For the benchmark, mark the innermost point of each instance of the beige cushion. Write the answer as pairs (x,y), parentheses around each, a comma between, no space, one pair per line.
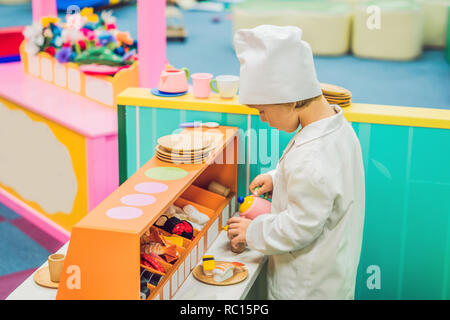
(326,25)
(435,22)
(399,36)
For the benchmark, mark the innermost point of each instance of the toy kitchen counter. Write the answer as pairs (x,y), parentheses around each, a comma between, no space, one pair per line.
(405,154)
(115,240)
(254,287)
(58,151)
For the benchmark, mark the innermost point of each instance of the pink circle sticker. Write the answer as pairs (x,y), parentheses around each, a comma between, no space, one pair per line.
(124,213)
(137,200)
(151,187)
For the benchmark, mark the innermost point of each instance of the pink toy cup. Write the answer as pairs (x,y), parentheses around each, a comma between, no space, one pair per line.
(200,82)
(259,206)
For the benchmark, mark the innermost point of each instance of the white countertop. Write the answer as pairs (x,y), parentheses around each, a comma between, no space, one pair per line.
(191,288)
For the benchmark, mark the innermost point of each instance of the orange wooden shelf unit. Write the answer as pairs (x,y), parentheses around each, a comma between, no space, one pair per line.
(103,258)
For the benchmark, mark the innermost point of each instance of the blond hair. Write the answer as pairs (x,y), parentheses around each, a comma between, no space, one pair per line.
(295,105)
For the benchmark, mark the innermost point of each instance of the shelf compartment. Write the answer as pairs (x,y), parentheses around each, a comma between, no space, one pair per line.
(181,202)
(203,197)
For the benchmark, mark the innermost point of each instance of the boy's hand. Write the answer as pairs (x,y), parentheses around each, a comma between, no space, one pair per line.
(237,229)
(264,182)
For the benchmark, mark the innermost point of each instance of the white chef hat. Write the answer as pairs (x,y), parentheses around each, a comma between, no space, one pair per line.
(276,65)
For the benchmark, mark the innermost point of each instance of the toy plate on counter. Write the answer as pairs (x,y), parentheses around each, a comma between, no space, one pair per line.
(158,93)
(238,276)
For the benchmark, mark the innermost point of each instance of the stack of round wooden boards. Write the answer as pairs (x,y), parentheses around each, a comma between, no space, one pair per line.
(336,95)
(192,147)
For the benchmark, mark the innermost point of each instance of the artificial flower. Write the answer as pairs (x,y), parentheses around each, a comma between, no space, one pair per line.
(82,44)
(50,50)
(125,37)
(33,31)
(46,21)
(106,38)
(111,26)
(64,54)
(71,35)
(89,14)
(48,33)
(57,41)
(107,17)
(87,11)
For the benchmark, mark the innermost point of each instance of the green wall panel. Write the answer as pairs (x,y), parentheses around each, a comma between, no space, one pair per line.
(131,147)
(385,175)
(427,232)
(407,218)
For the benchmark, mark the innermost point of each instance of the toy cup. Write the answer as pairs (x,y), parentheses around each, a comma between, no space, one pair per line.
(174,80)
(227,86)
(252,206)
(55,265)
(201,84)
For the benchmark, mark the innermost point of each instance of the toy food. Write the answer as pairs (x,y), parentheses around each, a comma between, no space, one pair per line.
(208,265)
(169,253)
(194,215)
(176,226)
(152,261)
(226,270)
(219,188)
(148,277)
(174,240)
(153,242)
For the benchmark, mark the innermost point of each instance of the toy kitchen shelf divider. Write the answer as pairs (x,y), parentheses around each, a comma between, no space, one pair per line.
(103,258)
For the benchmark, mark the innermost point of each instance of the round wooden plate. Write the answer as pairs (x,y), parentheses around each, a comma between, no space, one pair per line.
(236,278)
(331,89)
(164,155)
(42,278)
(337,98)
(185,142)
(183,153)
(182,161)
(178,154)
(160,155)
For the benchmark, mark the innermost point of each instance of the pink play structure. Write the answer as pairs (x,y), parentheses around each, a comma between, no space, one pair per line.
(94,123)
(151,35)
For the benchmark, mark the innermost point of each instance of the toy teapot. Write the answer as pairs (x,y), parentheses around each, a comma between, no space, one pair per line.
(252,206)
(174,80)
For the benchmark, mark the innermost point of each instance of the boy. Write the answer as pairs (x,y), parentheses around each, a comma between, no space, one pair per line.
(313,234)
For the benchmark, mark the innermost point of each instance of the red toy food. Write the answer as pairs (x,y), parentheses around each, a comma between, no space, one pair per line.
(151,261)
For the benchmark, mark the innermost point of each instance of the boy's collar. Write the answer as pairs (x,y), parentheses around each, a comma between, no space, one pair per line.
(320,128)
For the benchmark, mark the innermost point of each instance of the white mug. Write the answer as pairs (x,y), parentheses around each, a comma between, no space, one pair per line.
(227,86)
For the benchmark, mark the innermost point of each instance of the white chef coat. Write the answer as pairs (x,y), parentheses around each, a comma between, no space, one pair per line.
(313,234)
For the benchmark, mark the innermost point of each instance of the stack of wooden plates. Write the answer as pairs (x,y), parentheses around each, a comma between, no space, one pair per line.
(336,95)
(193,147)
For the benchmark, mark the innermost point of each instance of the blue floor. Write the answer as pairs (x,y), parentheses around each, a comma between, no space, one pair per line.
(421,83)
